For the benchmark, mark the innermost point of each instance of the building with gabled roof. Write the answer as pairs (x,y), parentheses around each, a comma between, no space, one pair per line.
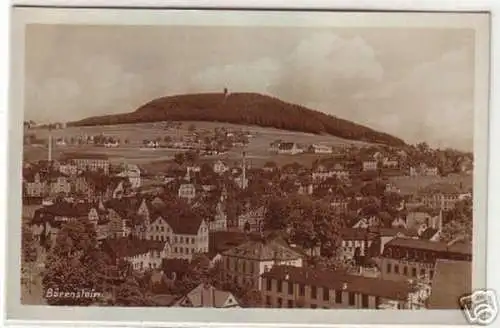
(244,264)
(301,287)
(205,295)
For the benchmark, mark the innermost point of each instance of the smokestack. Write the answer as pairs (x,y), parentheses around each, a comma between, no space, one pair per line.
(244,174)
(50,144)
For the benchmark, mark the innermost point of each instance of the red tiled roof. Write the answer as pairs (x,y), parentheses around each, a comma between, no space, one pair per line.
(338,280)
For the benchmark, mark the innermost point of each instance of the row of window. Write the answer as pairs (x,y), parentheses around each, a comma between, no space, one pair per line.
(240,265)
(300,304)
(406,271)
(350,243)
(313,290)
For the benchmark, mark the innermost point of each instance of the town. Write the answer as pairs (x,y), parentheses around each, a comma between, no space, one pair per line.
(359,227)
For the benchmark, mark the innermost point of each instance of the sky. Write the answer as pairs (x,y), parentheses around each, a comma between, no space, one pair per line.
(414,83)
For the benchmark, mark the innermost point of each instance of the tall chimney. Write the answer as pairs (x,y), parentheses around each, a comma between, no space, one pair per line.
(50,144)
(244,174)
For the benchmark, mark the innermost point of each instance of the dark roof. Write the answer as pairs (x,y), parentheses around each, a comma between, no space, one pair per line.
(428,233)
(337,280)
(65,209)
(452,280)
(128,247)
(286,145)
(459,247)
(263,250)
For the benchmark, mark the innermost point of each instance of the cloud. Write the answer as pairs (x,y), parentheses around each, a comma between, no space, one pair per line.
(327,55)
(255,76)
(434,102)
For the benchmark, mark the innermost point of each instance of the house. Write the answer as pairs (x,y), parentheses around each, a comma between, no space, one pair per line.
(34,186)
(220,167)
(409,258)
(322,172)
(390,162)
(274,146)
(321,149)
(61,142)
(440,196)
(270,167)
(68,169)
(59,183)
(111,144)
(354,240)
(142,254)
(252,220)
(152,144)
(244,264)
(206,295)
(452,280)
(300,287)
(187,191)
(289,148)
(370,165)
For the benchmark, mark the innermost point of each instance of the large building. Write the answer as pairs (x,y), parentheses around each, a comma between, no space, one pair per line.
(412,259)
(246,263)
(298,287)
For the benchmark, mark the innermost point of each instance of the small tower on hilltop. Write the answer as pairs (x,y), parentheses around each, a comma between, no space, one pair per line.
(226,95)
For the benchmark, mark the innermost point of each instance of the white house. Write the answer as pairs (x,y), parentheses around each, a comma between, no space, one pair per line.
(187,191)
(321,149)
(220,167)
(220,219)
(370,165)
(133,173)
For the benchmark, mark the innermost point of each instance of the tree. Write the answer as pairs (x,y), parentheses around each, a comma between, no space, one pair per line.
(179,158)
(167,139)
(74,263)
(129,293)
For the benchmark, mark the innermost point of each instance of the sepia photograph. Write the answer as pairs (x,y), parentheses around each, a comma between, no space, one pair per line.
(251,165)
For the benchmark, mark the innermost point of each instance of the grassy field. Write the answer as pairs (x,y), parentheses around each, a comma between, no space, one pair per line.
(257,149)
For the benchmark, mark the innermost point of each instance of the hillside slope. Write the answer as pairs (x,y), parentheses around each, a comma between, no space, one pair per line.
(247,109)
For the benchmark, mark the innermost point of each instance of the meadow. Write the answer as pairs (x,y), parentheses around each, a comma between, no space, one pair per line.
(257,149)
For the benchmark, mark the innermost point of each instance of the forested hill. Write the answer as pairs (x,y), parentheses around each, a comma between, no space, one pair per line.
(247,109)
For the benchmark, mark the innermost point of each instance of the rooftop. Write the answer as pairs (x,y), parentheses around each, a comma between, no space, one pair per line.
(458,247)
(341,281)
(261,250)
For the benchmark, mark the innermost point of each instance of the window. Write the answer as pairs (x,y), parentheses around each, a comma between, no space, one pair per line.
(352,301)
(269,285)
(280,286)
(326,294)
(338,296)
(186,250)
(290,288)
(181,240)
(396,268)
(162,229)
(280,302)
(405,270)
(302,290)
(313,292)
(157,228)
(413,272)
(181,250)
(290,303)
(364,301)
(422,272)
(389,268)
(175,250)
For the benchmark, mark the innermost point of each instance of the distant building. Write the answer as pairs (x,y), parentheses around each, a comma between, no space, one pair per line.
(390,162)
(220,219)
(244,264)
(205,295)
(406,259)
(92,164)
(370,165)
(187,191)
(300,287)
(252,220)
(321,149)
(289,148)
